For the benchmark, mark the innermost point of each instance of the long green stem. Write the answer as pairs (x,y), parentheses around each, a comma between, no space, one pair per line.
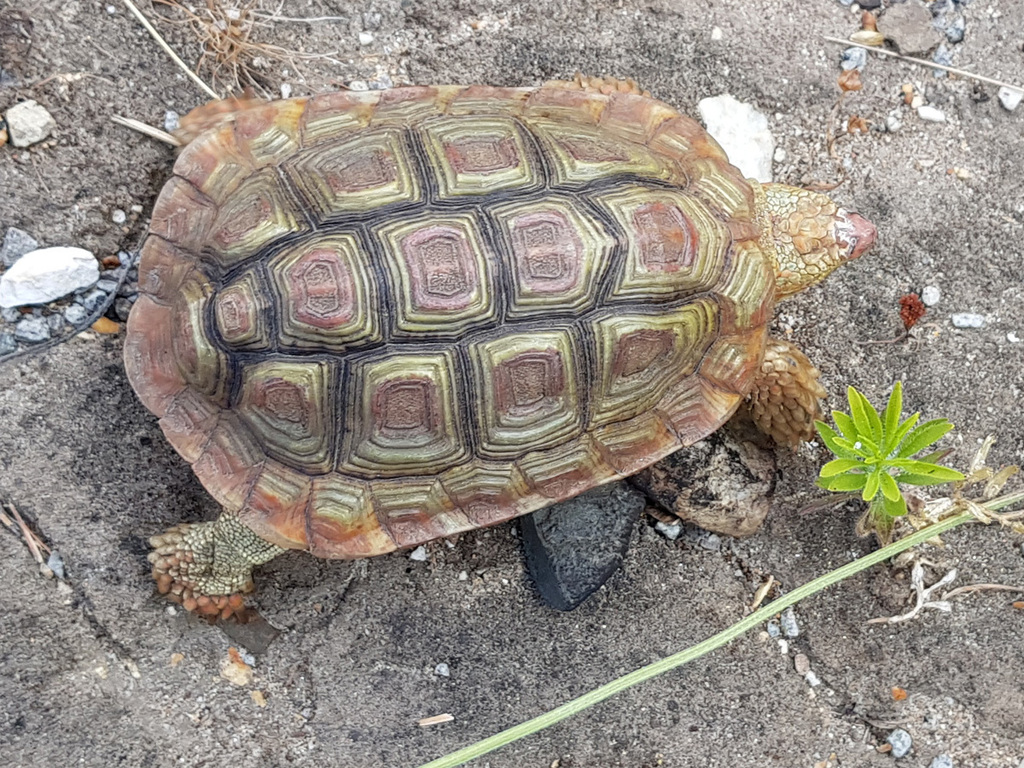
(571,708)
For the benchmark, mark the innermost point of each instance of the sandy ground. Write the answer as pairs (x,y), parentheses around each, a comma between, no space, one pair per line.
(97,672)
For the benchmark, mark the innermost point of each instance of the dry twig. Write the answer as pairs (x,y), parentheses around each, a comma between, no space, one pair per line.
(35,545)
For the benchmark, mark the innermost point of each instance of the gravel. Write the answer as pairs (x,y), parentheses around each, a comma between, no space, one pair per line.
(931,114)
(32,330)
(17,242)
(968,320)
(901,743)
(1010,98)
(941,761)
(7,343)
(789,624)
(931,295)
(29,123)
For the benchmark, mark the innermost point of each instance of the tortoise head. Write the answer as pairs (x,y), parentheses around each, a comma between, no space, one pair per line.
(812,236)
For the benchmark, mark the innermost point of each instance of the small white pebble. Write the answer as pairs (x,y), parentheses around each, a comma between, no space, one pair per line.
(716,33)
(365,38)
(917,101)
(670,531)
(893,123)
(419,554)
(441,670)
(136,208)
(286,90)
(171,121)
(1013,338)
(930,295)
(801,664)
(931,114)
(118,216)
(968,320)
(784,647)
(111,9)
(463,576)
(1010,98)
(780,155)
(812,679)
(787,620)
(358,85)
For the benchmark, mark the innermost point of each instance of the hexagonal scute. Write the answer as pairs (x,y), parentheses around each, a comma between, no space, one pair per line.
(558,254)
(641,356)
(240,313)
(582,153)
(439,274)
(326,293)
(404,417)
(527,396)
(415,511)
(362,173)
(289,407)
(476,154)
(257,213)
(675,246)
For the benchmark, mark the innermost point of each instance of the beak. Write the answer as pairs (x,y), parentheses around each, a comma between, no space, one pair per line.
(861,234)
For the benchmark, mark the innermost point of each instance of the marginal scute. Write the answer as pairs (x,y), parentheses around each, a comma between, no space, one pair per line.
(694,408)
(331,116)
(440,272)
(726,193)
(188,423)
(342,520)
(326,293)
(230,461)
(564,105)
(267,133)
(487,492)
(556,252)
(733,361)
(362,172)
(183,215)
(416,510)
(149,357)
(676,247)
(213,164)
(566,471)
(478,155)
(258,213)
(641,356)
(527,395)
(631,445)
(746,292)
(288,406)
(404,418)
(635,117)
(277,505)
(486,99)
(162,269)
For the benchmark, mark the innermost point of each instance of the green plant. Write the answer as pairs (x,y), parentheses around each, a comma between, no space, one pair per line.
(875,454)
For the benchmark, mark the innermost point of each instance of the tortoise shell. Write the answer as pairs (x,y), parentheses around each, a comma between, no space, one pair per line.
(368,320)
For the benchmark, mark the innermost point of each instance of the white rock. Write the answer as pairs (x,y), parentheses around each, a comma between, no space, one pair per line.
(118,216)
(46,274)
(743,133)
(29,123)
(171,121)
(365,38)
(930,295)
(419,554)
(931,114)
(286,90)
(1010,98)
(968,320)
(893,123)
(1013,338)
(716,33)
(441,670)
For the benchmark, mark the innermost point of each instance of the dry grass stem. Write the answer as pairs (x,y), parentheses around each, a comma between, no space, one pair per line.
(925,63)
(972,588)
(170,51)
(230,54)
(34,543)
(435,720)
(148,130)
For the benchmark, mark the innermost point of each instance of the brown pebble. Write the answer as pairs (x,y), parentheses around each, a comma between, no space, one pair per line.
(106,325)
(802,664)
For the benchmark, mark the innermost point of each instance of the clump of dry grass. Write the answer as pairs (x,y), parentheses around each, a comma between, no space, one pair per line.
(233,57)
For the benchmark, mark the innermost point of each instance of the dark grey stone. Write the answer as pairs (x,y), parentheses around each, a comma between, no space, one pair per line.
(7,343)
(32,330)
(10,314)
(956,29)
(17,242)
(93,300)
(75,314)
(56,323)
(573,547)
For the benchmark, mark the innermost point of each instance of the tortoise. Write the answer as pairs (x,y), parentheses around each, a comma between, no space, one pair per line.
(372,319)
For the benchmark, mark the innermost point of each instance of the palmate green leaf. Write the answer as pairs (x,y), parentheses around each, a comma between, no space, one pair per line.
(923,436)
(892,418)
(846,426)
(927,469)
(840,465)
(893,507)
(908,478)
(865,417)
(901,432)
(889,488)
(850,481)
(839,446)
(871,486)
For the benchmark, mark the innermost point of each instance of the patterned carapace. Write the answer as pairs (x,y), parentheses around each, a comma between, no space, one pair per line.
(371,320)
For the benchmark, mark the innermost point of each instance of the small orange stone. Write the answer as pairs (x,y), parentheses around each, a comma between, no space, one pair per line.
(1019,605)
(898,694)
(106,325)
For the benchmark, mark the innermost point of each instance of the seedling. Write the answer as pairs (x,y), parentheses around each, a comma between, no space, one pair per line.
(875,455)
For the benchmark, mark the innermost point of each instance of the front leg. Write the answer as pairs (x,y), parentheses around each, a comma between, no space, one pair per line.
(784,400)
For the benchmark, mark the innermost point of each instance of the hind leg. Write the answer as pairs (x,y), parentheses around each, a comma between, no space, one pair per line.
(207,567)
